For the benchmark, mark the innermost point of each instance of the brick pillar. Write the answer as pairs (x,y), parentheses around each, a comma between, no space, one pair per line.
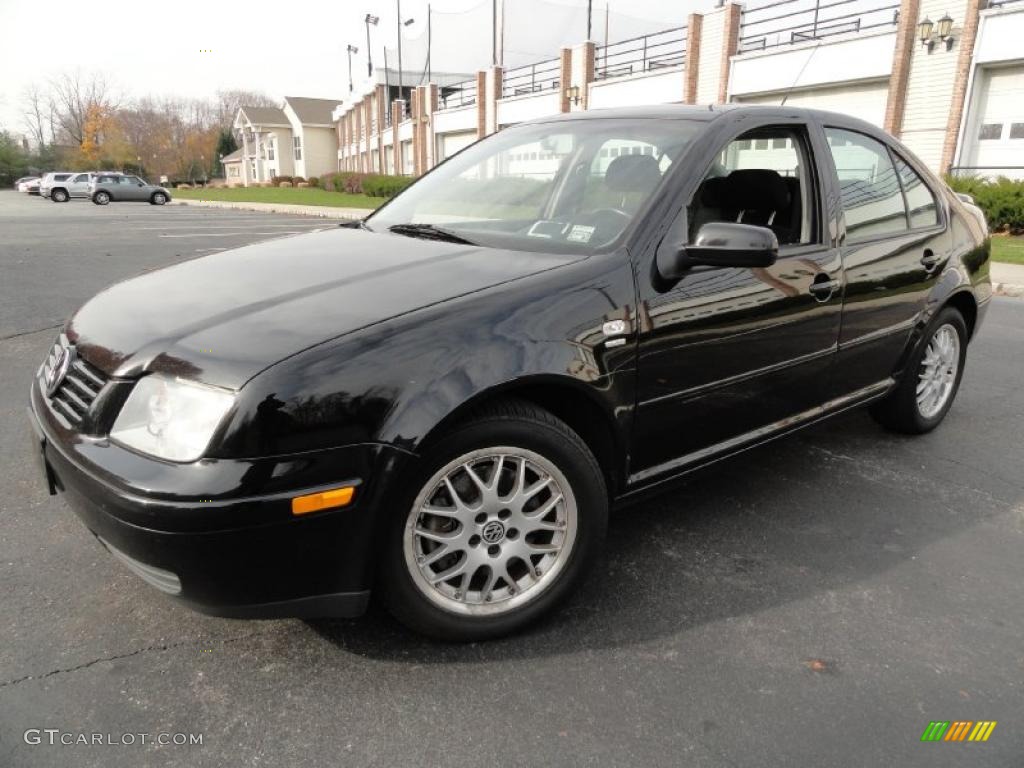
(730,44)
(963,71)
(481,104)
(584,70)
(357,135)
(381,105)
(418,137)
(397,108)
(430,104)
(367,132)
(492,91)
(906,39)
(693,32)
(564,78)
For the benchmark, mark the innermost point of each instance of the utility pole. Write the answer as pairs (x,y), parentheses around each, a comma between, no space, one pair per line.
(370,19)
(398,4)
(590,16)
(351,49)
(428,42)
(494,33)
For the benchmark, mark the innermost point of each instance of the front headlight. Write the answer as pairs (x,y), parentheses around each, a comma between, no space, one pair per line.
(171,418)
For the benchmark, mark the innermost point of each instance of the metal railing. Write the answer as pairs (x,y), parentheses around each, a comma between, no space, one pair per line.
(458,95)
(1001,3)
(982,170)
(531,78)
(641,54)
(797,21)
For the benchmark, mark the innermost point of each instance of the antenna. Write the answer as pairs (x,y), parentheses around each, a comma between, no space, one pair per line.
(799,74)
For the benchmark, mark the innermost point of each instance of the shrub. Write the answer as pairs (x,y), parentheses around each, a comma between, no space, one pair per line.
(276,180)
(314,181)
(284,184)
(264,184)
(1002,200)
(297,179)
(302,184)
(385,186)
(184,186)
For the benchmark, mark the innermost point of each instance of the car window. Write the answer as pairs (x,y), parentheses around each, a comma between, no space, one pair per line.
(868,185)
(81,177)
(62,177)
(130,180)
(566,187)
(921,205)
(762,177)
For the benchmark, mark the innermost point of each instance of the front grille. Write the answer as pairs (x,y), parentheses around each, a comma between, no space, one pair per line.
(80,386)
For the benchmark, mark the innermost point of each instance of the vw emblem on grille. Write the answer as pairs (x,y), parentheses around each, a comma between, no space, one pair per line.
(493,532)
(60,369)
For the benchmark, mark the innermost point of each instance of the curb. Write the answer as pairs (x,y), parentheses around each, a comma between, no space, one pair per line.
(1008,289)
(324,212)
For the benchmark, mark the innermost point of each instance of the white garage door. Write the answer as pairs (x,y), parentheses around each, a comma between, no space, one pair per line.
(863,100)
(996,134)
(450,143)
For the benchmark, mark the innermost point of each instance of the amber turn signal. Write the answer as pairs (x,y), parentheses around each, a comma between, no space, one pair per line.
(314,502)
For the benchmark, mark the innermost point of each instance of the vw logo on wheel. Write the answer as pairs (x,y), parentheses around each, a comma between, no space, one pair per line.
(59,370)
(493,532)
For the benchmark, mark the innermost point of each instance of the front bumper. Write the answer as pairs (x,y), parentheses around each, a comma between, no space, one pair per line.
(235,550)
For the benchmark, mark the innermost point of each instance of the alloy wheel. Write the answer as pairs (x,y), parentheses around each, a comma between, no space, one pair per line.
(490,531)
(937,375)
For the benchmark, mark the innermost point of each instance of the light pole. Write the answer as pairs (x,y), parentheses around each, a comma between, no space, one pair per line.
(351,49)
(370,19)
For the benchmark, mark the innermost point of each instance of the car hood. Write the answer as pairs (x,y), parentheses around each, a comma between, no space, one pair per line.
(223,318)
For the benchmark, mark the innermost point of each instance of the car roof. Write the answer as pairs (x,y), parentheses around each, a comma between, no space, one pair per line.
(710,112)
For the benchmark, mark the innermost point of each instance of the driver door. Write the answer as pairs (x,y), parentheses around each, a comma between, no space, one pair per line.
(729,355)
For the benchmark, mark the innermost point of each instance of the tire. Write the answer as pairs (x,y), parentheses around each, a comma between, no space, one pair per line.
(101,198)
(158,198)
(501,592)
(930,370)
(59,196)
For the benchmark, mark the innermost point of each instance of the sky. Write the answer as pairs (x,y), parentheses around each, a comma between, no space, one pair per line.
(192,48)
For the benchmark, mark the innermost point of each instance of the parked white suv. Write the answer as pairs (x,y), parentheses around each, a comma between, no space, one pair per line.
(49,179)
(77,185)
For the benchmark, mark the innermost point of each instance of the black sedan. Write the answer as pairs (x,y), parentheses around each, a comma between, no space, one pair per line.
(441,402)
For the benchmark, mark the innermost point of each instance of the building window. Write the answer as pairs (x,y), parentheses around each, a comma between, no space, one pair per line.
(1017,130)
(990,131)
(270,150)
(297,144)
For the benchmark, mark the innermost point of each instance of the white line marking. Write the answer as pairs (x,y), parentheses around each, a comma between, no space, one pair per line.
(232,234)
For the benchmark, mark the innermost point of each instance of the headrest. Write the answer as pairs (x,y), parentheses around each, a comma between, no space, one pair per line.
(633,173)
(712,192)
(757,189)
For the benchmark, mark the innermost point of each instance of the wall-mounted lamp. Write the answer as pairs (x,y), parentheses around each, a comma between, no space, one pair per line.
(572,93)
(931,33)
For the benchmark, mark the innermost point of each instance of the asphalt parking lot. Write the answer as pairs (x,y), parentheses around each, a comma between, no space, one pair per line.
(815,602)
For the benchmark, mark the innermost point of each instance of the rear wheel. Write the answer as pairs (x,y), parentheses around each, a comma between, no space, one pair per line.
(925,394)
(499,521)
(59,196)
(101,198)
(159,198)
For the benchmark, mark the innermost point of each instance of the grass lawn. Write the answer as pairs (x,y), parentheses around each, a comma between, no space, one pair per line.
(290,196)
(1009,250)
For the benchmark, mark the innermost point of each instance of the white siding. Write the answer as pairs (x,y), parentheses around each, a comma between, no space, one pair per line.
(709,68)
(863,100)
(930,88)
(662,87)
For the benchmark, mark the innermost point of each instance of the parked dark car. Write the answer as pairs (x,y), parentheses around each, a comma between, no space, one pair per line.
(105,188)
(441,402)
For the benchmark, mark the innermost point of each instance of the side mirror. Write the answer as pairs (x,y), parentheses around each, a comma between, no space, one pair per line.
(722,244)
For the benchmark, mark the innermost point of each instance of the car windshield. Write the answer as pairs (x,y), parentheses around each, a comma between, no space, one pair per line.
(570,186)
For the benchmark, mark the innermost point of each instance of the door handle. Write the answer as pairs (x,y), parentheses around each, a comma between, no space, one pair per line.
(929,259)
(822,290)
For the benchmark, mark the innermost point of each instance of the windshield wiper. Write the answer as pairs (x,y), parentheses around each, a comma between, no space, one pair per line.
(429,232)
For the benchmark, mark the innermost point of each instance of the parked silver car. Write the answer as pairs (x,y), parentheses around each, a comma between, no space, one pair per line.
(121,187)
(76,185)
(50,179)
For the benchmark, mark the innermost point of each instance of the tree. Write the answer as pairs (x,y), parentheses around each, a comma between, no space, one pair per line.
(228,103)
(226,144)
(13,159)
(76,99)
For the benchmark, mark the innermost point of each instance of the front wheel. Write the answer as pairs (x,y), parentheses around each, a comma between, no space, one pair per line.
(925,393)
(159,198)
(101,198)
(499,522)
(59,196)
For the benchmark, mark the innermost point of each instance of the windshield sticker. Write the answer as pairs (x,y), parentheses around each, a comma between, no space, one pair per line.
(580,234)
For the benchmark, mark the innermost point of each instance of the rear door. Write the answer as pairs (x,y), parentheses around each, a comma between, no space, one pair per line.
(894,243)
(728,355)
(78,185)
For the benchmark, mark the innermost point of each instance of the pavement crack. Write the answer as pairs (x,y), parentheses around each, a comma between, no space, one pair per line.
(127,655)
(29,333)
